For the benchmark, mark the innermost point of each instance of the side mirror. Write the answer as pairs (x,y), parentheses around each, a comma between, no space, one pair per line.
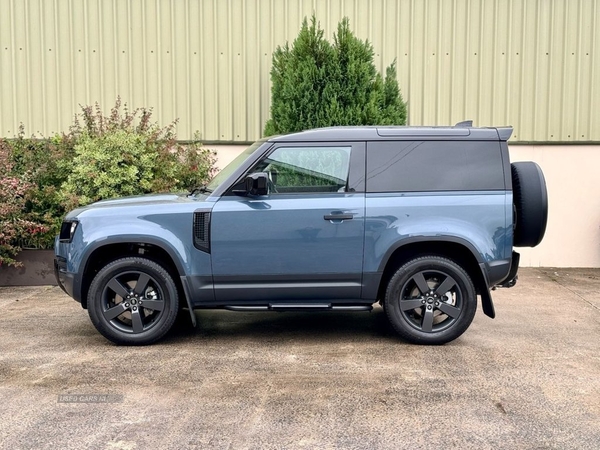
(255,184)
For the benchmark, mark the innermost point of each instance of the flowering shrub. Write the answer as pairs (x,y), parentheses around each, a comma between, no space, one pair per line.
(13,224)
(44,164)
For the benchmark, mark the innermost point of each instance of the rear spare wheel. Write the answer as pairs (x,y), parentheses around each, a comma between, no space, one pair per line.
(530,203)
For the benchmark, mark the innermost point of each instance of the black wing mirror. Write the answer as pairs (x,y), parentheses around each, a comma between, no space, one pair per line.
(254,184)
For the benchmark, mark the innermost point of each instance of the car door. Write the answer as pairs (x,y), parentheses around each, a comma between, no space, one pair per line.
(304,239)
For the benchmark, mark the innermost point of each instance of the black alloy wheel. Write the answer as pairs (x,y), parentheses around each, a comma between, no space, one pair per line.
(430,300)
(133,301)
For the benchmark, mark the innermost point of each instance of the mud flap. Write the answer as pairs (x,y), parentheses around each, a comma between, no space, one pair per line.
(186,292)
(486,298)
(487,304)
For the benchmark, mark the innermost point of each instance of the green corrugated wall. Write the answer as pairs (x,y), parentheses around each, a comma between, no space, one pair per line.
(533,64)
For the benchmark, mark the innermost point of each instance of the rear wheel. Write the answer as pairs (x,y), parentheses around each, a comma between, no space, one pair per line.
(133,301)
(430,300)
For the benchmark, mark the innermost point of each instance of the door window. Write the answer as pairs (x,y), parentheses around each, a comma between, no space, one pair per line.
(307,169)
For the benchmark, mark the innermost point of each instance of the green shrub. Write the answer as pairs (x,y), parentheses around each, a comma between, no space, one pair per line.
(195,165)
(126,154)
(100,157)
(317,84)
(113,164)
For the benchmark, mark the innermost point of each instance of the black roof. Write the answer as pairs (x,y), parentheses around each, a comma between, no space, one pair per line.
(360,133)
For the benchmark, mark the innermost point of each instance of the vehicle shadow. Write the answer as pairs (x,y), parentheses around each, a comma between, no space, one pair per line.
(318,326)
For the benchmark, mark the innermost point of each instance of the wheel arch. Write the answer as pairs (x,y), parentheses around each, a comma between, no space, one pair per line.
(456,249)
(104,252)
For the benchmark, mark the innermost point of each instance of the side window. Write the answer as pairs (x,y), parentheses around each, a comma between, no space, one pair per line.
(307,169)
(425,166)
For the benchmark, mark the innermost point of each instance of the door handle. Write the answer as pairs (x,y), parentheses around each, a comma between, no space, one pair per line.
(338,216)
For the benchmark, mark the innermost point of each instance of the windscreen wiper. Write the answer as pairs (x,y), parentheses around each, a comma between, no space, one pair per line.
(200,190)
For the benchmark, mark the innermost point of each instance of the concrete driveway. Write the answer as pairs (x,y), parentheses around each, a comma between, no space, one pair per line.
(528,379)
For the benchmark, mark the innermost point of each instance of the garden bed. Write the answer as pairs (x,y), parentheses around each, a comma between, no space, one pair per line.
(37,269)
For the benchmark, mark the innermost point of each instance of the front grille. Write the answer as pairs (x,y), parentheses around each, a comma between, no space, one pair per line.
(202,230)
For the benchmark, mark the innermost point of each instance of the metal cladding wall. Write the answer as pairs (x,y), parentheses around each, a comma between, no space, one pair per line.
(533,64)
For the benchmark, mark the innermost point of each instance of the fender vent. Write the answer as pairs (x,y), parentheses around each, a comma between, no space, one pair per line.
(202,230)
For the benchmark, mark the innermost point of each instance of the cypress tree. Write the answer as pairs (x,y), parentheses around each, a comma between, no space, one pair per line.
(316,83)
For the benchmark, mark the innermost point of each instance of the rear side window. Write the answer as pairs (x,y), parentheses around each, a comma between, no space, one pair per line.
(421,166)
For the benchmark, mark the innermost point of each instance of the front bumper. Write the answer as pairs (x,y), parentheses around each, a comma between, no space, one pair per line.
(64,279)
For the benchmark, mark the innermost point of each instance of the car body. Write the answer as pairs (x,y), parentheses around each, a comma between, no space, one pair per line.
(324,219)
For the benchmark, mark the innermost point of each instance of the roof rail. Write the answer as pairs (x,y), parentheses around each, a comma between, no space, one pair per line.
(464,124)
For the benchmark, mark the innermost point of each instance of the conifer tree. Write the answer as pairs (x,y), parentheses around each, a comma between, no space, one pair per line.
(316,83)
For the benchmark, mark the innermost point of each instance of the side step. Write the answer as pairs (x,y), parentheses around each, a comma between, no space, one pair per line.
(279,307)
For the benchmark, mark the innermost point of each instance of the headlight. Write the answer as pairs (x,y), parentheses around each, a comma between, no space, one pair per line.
(67,230)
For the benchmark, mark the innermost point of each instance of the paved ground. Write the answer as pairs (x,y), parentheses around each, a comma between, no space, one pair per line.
(528,379)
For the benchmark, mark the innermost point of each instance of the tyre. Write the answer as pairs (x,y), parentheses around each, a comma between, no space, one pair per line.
(430,300)
(133,301)
(530,200)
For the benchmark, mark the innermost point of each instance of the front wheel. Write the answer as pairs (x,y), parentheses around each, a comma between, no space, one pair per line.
(133,301)
(430,300)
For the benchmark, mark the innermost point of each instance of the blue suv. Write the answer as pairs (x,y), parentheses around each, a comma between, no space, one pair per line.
(420,219)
